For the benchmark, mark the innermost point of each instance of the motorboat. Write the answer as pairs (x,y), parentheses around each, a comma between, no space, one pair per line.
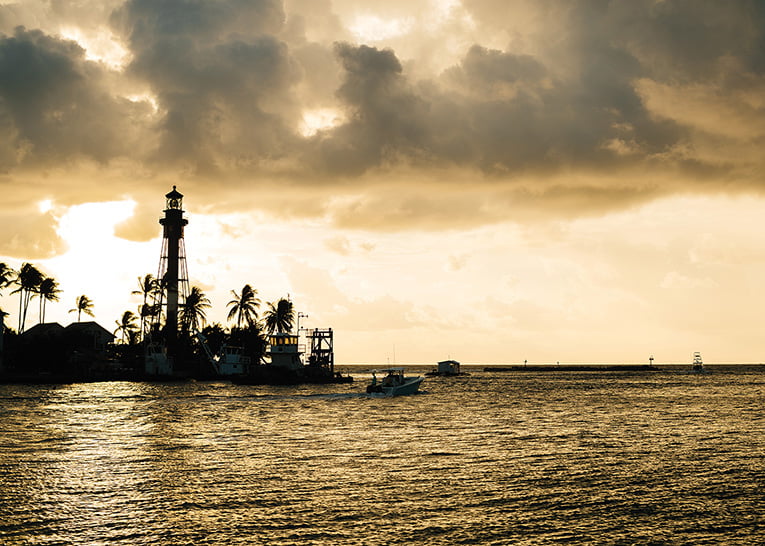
(394,382)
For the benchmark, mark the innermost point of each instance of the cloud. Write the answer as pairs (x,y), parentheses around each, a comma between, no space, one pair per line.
(547,108)
(56,107)
(28,234)
(140,226)
(220,74)
(328,301)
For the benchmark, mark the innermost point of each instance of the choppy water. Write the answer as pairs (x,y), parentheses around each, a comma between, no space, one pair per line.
(491,458)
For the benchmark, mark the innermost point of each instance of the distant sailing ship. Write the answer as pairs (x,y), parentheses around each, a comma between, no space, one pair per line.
(698,364)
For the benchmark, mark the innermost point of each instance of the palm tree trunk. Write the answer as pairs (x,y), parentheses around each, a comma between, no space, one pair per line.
(21,298)
(143,317)
(26,308)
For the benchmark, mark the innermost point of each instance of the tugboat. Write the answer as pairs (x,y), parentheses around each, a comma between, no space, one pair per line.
(287,366)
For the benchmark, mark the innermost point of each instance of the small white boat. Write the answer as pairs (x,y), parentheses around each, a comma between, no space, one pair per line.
(394,383)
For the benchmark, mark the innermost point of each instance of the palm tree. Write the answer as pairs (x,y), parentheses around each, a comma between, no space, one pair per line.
(280,317)
(244,307)
(6,275)
(147,287)
(126,325)
(6,278)
(192,313)
(28,281)
(83,304)
(48,291)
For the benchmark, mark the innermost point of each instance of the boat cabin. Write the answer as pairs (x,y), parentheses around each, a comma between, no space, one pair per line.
(285,351)
(394,377)
(232,361)
(156,361)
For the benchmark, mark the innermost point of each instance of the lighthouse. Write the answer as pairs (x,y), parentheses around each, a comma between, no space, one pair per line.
(173,274)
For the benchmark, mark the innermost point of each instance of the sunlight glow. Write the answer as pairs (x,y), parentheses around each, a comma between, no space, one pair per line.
(319,120)
(46,205)
(76,225)
(96,263)
(100,45)
(145,97)
(371,28)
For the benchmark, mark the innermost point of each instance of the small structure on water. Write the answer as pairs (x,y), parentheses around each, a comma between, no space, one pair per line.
(446,368)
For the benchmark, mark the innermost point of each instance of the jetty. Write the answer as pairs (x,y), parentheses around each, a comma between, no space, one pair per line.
(575,368)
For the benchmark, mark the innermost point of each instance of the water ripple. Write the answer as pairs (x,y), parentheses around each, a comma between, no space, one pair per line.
(514,458)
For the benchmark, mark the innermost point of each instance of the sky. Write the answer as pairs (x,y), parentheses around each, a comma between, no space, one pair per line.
(486,180)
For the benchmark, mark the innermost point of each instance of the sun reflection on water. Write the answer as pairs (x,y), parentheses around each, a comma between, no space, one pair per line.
(488,458)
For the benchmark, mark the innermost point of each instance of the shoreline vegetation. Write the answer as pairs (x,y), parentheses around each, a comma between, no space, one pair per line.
(37,351)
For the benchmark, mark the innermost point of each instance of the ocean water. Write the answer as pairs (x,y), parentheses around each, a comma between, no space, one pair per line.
(489,458)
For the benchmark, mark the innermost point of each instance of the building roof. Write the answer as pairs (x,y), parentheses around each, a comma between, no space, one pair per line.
(89,327)
(43,329)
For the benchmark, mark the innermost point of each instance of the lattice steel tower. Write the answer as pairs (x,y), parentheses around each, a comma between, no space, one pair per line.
(173,275)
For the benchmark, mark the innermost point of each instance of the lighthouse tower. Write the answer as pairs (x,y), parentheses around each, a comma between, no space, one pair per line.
(173,274)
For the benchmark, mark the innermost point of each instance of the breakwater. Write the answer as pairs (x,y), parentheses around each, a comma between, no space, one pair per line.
(575,368)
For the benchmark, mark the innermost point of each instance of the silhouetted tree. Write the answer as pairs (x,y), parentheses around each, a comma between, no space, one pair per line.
(192,313)
(28,281)
(7,275)
(147,288)
(215,335)
(83,304)
(244,307)
(48,291)
(280,317)
(252,341)
(127,326)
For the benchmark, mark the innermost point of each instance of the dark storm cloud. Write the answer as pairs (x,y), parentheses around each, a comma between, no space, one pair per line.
(220,74)
(55,106)
(576,104)
(588,98)
(498,112)
(683,39)
(385,116)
